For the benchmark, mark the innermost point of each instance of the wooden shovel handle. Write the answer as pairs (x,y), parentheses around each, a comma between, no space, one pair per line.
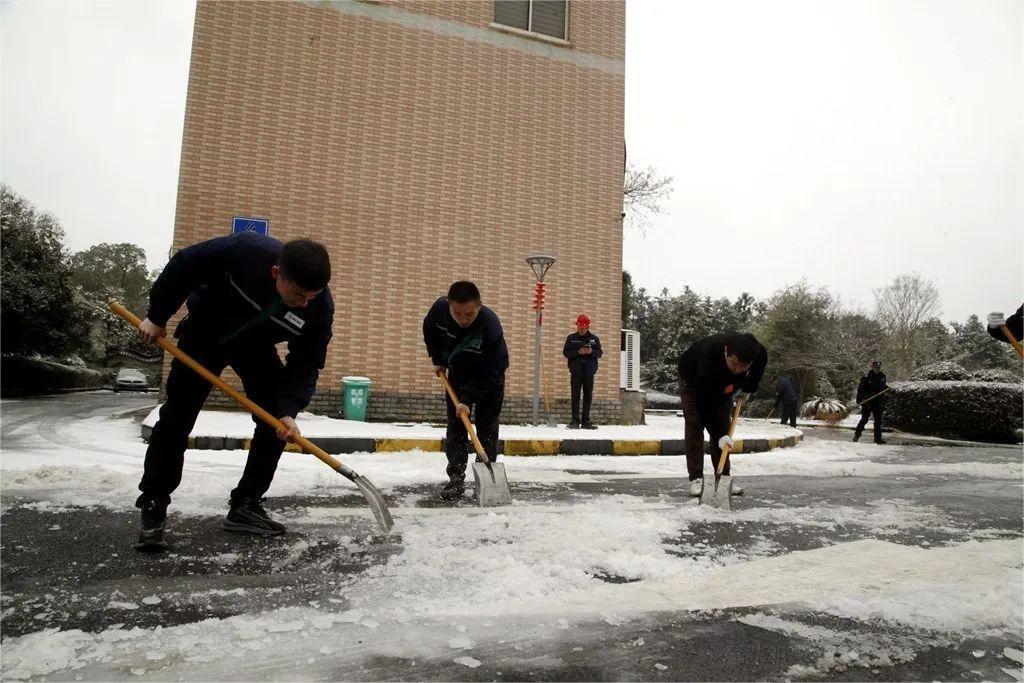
(241,399)
(874,397)
(1013,340)
(732,428)
(479,447)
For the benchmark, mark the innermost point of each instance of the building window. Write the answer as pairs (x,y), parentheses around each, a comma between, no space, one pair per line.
(547,17)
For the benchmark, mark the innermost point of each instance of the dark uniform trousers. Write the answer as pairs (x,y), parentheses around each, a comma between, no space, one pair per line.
(259,370)
(586,384)
(486,413)
(693,437)
(789,413)
(871,408)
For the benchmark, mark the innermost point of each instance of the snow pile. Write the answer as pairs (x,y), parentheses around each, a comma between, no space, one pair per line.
(463,579)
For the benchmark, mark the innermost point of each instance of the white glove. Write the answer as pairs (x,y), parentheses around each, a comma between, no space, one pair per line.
(995,321)
(725,441)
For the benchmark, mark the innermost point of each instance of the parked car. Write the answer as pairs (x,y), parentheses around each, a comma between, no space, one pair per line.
(130,379)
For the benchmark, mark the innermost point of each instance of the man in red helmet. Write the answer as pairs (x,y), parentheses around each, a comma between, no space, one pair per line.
(582,349)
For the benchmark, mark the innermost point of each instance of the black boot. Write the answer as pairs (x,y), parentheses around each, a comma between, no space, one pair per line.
(856,436)
(151,537)
(454,489)
(575,424)
(456,472)
(587,424)
(248,515)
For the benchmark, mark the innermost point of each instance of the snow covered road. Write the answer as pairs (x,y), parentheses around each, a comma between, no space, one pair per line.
(843,561)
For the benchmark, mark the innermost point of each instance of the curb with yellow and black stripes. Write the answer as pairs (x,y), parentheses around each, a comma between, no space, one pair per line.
(509,447)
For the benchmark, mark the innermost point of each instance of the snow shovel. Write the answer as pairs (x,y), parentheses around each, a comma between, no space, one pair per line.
(373,496)
(874,397)
(718,495)
(491,482)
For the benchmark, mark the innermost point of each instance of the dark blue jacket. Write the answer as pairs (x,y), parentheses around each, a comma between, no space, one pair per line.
(870,385)
(228,283)
(584,366)
(476,356)
(785,393)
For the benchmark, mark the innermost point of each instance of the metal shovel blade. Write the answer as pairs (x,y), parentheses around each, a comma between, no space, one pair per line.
(491,484)
(716,494)
(375,499)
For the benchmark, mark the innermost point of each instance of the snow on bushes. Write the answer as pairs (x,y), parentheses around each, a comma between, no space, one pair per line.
(1004,376)
(977,411)
(943,370)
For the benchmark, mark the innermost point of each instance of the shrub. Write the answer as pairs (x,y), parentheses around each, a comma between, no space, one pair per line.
(759,407)
(943,370)
(661,376)
(999,375)
(31,376)
(976,411)
(660,400)
(828,409)
(823,387)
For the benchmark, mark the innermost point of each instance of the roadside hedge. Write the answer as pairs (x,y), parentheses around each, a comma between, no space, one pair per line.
(20,376)
(943,370)
(975,411)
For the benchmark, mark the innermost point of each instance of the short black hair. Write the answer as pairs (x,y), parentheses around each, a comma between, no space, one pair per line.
(306,263)
(463,291)
(743,346)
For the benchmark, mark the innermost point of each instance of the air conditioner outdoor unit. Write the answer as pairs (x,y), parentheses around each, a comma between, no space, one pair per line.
(629,360)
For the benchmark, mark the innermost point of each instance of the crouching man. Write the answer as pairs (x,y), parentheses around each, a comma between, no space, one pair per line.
(714,373)
(245,293)
(464,340)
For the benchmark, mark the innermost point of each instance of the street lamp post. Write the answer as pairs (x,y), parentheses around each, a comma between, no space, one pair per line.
(539,264)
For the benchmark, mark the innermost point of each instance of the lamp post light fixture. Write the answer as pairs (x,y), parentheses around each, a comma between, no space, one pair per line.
(539,264)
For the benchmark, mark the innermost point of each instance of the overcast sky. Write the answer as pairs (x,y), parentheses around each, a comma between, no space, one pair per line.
(841,142)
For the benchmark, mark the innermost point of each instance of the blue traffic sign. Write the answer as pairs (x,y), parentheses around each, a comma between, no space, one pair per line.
(242,224)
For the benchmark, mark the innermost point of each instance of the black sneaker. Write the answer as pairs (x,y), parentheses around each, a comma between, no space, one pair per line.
(856,436)
(151,537)
(880,442)
(589,425)
(249,516)
(573,425)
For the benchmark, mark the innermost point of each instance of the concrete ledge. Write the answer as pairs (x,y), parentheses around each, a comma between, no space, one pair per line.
(585,447)
(673,447)
(386,445)
(624,447)
(509,447)
(532,447)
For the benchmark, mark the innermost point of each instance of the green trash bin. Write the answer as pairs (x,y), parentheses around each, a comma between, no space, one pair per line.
(356,396)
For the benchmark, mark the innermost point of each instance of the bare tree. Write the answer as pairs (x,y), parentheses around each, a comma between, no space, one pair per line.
(643,192)
(904,309)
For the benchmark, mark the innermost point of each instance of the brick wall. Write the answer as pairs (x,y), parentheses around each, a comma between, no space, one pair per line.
(421,146)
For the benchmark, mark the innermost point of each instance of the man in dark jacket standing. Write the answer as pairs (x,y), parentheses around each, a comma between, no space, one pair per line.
(464,339)
(871,385)
(582,349)
(245,293)
(785,395)
(713,373)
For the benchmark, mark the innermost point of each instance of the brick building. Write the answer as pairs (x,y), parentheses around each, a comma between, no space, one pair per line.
(422,142)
